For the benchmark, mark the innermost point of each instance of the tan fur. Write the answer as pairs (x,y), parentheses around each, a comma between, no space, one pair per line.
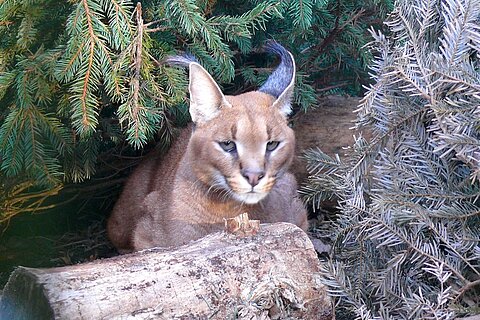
(187,194)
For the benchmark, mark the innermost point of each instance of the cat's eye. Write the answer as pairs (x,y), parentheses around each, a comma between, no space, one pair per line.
(228,146)
(272,145)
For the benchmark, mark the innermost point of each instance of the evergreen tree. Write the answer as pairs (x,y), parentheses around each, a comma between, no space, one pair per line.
(406,242)
(78,79)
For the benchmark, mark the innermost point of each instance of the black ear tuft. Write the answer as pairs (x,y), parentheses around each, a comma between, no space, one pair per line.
(283,75)
(281,81)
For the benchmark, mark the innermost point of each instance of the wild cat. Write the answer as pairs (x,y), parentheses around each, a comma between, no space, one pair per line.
(233,159)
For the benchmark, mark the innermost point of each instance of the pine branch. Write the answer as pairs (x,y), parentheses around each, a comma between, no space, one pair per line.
(89,60)
(142,107)
(302,14)
(135,81)
(240,29)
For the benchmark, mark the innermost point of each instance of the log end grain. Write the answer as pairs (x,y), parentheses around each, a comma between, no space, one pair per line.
(25,298)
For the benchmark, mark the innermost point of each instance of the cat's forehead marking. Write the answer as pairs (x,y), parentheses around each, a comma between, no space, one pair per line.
(251,128)
(249,114)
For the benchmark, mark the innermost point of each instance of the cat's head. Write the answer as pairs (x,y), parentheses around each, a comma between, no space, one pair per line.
(242,144)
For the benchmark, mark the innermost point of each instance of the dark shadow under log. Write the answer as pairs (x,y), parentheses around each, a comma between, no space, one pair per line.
(272,275)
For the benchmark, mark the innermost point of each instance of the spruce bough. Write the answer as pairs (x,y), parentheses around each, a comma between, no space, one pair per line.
(407,238)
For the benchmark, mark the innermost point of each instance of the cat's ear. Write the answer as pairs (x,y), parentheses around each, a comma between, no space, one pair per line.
(280,83)
(206,98)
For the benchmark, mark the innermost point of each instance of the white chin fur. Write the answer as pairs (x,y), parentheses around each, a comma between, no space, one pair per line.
(249,198)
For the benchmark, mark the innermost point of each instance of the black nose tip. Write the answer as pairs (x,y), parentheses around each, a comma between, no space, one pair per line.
(253,176)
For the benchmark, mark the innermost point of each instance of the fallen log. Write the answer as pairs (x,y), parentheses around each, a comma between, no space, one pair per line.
(271,275)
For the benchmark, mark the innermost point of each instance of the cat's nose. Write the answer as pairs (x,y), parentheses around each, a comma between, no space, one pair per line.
(253,176)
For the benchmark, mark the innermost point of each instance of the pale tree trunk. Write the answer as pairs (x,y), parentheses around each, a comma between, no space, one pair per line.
(272,275)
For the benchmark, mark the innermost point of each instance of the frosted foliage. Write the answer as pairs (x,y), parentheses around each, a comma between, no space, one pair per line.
(406,240)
